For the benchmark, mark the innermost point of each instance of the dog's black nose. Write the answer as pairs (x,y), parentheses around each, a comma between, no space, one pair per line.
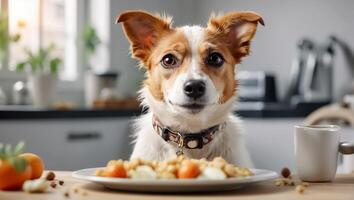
(194,88)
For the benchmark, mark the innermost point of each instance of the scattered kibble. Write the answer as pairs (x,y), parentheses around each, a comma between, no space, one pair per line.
(50,176)
(61,182)
(76,190)
(84,193)
(285,172)
(53,184)
(284,182)
(287,180)
(305,184)
(300,189)
(66,194)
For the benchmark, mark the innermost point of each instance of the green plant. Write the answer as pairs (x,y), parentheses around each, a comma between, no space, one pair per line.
(90,41)
(7,153)
(5,38)
(40,61)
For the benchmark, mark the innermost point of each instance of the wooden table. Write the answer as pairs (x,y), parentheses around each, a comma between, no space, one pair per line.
(342,188)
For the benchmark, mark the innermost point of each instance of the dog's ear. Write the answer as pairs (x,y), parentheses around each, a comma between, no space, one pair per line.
(143,30)
(238,28)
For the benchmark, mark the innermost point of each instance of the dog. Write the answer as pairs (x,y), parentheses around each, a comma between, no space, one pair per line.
(190,86)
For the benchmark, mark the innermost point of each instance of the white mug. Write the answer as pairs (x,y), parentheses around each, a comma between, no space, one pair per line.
(316,151)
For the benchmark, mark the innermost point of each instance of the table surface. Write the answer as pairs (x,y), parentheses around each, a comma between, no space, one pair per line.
(342,188)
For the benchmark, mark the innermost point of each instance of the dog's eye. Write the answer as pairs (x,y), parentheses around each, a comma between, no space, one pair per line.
(214,60)
(169,61)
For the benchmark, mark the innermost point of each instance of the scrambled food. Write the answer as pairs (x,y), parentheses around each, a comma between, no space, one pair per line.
(174,168)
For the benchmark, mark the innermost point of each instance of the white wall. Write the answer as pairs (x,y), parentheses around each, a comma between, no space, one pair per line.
(286,22)
(274,46)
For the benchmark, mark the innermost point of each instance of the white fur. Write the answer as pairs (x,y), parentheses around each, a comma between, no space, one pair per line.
(195,36)
(227,143)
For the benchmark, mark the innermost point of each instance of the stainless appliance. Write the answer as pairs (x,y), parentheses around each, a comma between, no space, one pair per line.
(256,86)
(20,93)
(311,73)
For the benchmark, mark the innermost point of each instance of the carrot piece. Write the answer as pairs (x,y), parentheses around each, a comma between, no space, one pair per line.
(188,169)
(116,170)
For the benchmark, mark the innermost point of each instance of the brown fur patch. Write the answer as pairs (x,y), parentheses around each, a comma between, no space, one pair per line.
(236,29)
(143,31)
(223,77)
(159,78)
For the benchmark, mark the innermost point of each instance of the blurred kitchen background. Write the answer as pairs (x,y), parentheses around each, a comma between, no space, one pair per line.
(68,85)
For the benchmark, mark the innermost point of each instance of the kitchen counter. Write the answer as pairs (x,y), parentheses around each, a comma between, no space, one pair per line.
(243,109)
(276,110)
(31,112)
(342,188)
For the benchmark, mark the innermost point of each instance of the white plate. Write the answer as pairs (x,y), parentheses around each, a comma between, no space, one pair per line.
(175,185)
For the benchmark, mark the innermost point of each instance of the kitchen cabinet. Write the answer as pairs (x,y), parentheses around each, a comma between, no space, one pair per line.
(270,141)
(71,144)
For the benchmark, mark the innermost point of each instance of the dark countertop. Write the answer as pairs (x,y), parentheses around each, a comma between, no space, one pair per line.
(30,112)
(246,110)
(276,110)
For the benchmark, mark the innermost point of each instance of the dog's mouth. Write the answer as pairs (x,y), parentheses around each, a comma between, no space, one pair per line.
(191,107)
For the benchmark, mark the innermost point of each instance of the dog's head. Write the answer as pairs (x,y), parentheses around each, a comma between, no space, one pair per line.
(190,68)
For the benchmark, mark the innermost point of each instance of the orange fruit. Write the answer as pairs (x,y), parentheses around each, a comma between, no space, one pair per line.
(35,162)
(10,179)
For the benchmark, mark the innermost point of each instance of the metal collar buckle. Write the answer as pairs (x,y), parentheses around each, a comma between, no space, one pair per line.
(180,144)
(180,140)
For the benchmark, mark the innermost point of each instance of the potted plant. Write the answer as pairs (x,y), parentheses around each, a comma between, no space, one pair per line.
(5,38)
(42,79)
(90,41)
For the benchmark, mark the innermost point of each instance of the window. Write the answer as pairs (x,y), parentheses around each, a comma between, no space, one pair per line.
(23,19)
(45,22)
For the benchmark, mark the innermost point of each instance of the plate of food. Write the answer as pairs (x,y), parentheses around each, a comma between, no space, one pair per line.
(174,175)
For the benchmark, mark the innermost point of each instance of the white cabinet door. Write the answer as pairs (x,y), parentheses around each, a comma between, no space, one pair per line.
(71,144)
(270,142)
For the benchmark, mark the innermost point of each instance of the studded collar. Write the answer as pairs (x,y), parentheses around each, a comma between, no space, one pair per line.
(186,140)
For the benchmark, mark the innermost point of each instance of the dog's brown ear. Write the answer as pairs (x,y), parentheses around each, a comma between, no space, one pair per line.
(238,28)
(143,30)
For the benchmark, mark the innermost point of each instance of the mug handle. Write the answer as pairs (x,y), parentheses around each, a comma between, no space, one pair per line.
(346,147)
